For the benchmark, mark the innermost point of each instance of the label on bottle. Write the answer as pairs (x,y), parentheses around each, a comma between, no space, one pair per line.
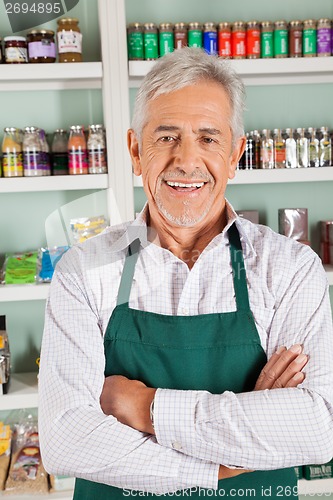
(267,44)
(180,39)
(195,38)
(324,41)
(281,43)
(97,161)
(60,163)
(77,161)
(135,46)
(303,152)
(224,44)
(166,42)
(238,44)
(253,43)
(16,55)
(210,42)
(151,45)
(280,155)
(12,164)
(313,154)
(32,163)
(69,41)
(325,153)
(44,48)
(309,41)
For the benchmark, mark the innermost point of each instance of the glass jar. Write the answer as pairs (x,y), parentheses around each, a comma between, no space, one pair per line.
(96,150)
(16,51)
(32,158)
(210,38)
(280,149)
(295,38)
(59,152)
(166,38)
(266,150)
(310,38)
(325,147)
(253,40)
(314,160)
(302,148)
(267,39)
(150,41)
(238,40)
(194,35)
(135,42)
(77,151)
(180,35)
(41,46)
(224,40)
(69,39)
(291,151)
(280,39)
(324,37)
(12,160)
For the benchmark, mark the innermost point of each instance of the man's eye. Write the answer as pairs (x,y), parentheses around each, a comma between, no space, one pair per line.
(166,138)
(207,140)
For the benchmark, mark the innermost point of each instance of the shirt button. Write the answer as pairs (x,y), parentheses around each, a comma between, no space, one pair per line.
(185,311)
(176,445)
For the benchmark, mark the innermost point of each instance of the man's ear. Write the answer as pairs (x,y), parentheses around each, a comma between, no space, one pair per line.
(236,155)
(133,148)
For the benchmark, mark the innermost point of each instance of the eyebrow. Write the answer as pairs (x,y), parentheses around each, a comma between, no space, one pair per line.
(173,128)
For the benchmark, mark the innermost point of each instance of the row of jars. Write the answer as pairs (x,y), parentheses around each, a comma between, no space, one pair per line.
(39,45)
(27,152)
(287,148)
(238,40)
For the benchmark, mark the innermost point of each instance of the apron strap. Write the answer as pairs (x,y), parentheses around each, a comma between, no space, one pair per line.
(128,273)
(238,269)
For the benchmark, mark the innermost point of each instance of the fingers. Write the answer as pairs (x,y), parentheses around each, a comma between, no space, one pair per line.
(282,369)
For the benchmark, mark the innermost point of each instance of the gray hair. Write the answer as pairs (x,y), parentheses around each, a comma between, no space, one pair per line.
(188,66)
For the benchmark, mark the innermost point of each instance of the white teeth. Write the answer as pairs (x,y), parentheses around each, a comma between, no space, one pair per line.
(180,184)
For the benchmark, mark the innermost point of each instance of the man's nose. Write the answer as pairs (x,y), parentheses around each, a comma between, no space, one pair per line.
(187,155)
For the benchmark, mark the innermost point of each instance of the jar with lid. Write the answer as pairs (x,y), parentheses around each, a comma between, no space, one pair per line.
(166,38)
(291,156)
(150,41)
(180,35)
(41,46)
(325,147)
(279,149)
(302,148)
(253,40)
(69,39)
(309,38)
(238,40)
(194,35)
(295,38)
(313,147)
(96,150)
(44,153)
(210,38)
(250,152)
(267,39)
(224,40)
(12,159)
(135,42)
(77,151)
(32,160)
(266,150)
(59,152)
(16,51)
(280,39)
(324,37)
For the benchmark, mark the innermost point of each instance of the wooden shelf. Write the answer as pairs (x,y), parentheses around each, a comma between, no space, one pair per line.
(289,71)
(18,293)
(54,76)
(53,183)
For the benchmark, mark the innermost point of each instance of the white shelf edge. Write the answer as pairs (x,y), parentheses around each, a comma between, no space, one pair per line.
(273,176)
(286,71)
(18,293)
(315,486)
(23,392)
(53,183)
(54,76)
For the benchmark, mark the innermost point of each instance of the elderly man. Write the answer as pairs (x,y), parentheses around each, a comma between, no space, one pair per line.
(154,371)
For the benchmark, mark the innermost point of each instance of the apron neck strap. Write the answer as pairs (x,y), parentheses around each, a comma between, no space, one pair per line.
(128,273)
(238,269)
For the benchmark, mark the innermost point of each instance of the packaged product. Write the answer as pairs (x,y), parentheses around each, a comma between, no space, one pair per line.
(5,444)
(86,227)
(20,268)
(61,483)
(319,471)
(47,261)
(26,473)
(4,357)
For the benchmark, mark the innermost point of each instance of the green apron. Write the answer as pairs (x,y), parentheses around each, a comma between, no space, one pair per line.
(212,352)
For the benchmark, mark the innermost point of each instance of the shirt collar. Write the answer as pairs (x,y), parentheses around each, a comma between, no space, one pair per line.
(138,229)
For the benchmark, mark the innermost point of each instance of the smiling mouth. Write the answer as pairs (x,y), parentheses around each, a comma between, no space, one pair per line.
(182,186)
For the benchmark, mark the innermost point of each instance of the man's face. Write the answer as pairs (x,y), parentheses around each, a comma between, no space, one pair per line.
(186,156)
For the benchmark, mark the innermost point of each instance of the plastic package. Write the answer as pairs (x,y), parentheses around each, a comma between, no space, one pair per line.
(5,445)
(47,261)
(293,222)
(86,227)
(20,268)
(4,357)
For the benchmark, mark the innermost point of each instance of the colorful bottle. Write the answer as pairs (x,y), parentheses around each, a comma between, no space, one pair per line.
(60,153)
(32,157)
(45,153)
(97,150)
(12,159)
(302,147)
(313,147)
(77,151)
(291,151)
(266,150)
(279,149)
(325,148)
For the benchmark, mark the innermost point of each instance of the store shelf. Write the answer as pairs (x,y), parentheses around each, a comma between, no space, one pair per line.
(18,293)
(51,76)
(262,71)
(23,392)
(274,176)
(315,486)
(53,183)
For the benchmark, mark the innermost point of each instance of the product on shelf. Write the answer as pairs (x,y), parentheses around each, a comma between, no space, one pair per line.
(5,446)
(299,472)
(210,38)
(280,149)
(296,38)
(326,241)
(16,50)
(324,37)
(12,158)
(238,40)
(41,46)
(135,42)
(281,42)
(69,39)
(32,153)
(309,38)
(77,151)
(0,50)
(195,35)
(150,41)
(180,35)
(166,42)
(293,223)
(61,483)
(253,40)
(84,228)
(47,261)
(20,268)
(96,150)
(224,40)
(60,152)
(319,471)
(302,147)
(267,39)
(4,357)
